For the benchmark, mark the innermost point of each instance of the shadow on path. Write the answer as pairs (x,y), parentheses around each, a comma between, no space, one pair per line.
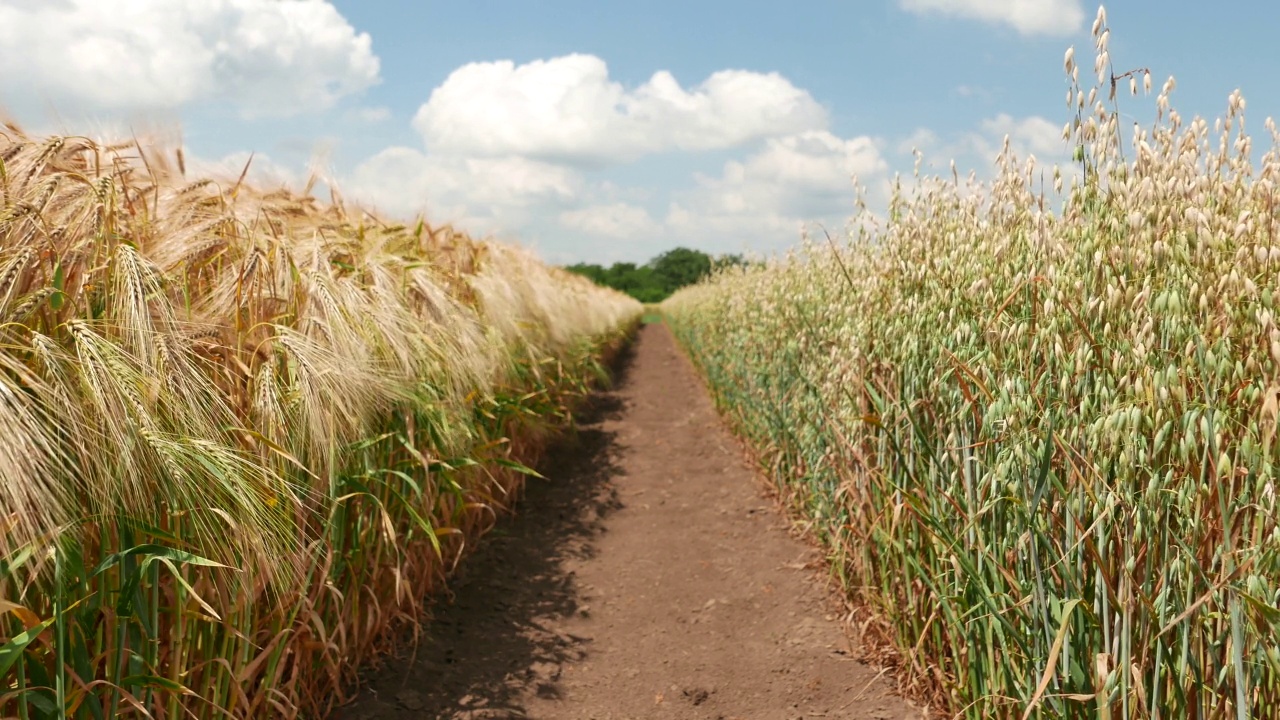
(499,639)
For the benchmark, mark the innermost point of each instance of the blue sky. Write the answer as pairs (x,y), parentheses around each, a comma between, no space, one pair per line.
(608,131)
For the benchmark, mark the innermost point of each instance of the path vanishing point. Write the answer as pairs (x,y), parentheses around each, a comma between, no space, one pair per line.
(648,577)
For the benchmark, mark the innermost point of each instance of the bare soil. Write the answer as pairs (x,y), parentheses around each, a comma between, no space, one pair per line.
(647,577)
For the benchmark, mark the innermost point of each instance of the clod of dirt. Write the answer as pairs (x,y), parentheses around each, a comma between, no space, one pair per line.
(696,696)
(545,670)
(410,699)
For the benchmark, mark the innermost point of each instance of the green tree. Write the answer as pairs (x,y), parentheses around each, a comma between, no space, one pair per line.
(654,281)
(680,267)
(594,273)
(728,260)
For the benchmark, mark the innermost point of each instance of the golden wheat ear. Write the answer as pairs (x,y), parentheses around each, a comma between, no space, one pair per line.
(242,433)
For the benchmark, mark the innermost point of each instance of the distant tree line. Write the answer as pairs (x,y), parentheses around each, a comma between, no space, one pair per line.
(657,279)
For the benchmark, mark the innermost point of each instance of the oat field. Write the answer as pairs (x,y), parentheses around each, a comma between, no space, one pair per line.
(1033,419)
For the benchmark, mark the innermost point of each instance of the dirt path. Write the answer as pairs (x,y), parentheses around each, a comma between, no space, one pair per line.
(648,578)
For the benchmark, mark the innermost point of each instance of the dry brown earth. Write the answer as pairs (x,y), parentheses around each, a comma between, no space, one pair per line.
(648,577)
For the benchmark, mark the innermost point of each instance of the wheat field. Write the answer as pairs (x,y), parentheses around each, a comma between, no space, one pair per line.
(245,432)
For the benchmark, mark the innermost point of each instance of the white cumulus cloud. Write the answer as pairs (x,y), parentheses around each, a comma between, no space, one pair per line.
(479,194)
(263,57)
(764,201)
(1028,17)
(370,115)
(259,170)
(977,149)
(568,110)
(808,175)
(1028,135)
(759,202)
(622,221)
